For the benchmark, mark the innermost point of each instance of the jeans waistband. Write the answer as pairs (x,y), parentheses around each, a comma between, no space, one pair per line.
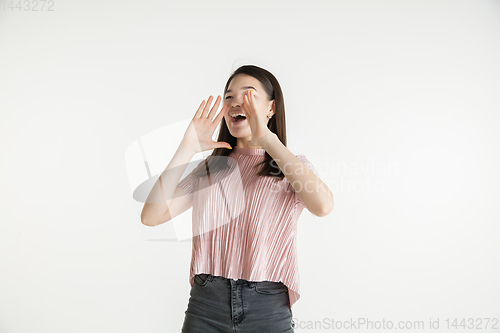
(228,280)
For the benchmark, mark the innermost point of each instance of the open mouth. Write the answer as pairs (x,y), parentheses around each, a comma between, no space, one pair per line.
(237,119)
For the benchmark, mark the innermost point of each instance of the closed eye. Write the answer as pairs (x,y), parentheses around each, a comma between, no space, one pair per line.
(231,96)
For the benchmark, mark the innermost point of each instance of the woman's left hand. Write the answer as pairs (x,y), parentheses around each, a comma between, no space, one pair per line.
(257,122)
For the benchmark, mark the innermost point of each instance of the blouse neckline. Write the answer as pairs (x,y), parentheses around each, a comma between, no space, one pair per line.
(249,151)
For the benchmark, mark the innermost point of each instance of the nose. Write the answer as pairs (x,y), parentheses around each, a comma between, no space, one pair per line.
(232,107)
(235,102)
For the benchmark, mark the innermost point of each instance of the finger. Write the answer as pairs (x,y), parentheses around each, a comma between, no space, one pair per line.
(199,111)
(202,107)
(215,107)
(246,106)
(209,101)
(222,144)
(221,114)
(249,98)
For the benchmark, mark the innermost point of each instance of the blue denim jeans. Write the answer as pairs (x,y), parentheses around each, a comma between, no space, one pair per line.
(219,305)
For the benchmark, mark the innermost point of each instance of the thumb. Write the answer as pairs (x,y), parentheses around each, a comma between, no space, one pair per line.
(223,145)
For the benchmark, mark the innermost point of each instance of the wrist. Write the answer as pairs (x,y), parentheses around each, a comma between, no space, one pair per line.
(186,149)
(267,140)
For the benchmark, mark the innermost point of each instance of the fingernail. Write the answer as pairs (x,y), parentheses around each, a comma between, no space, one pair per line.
(229,147)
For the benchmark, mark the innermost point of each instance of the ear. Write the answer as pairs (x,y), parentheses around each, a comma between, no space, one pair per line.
(272,111)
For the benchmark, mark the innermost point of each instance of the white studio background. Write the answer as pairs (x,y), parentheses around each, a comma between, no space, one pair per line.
(394,102)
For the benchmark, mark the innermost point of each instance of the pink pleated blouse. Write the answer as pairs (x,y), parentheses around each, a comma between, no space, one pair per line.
(244,225)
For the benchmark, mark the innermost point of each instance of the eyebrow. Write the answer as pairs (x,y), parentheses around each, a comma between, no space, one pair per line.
(245,87)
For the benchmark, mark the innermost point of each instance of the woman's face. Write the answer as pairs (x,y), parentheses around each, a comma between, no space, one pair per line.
(239,86)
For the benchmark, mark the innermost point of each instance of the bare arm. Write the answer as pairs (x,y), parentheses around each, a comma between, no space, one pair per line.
(166,200)
(314,193)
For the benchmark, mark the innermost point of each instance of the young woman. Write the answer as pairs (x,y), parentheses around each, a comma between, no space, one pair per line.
(246,198)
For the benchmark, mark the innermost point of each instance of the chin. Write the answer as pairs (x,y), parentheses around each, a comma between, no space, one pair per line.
(240,134)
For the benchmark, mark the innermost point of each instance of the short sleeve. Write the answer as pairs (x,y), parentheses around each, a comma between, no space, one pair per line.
(188,183)
(311,167)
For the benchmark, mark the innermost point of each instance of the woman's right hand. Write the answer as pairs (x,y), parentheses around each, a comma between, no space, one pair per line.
(198,136)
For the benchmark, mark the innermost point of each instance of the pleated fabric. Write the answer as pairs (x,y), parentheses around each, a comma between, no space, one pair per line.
(244,225)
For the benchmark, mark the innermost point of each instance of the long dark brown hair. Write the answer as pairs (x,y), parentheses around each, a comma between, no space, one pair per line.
(276,124)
